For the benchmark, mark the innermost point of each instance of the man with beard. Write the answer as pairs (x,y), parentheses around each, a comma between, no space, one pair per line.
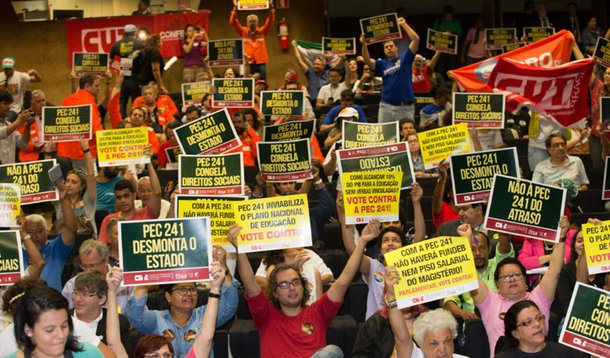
(125,195)
(462,306)
(254,38)
(248,138)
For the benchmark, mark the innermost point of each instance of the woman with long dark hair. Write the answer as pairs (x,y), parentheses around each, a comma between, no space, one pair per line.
(150,63)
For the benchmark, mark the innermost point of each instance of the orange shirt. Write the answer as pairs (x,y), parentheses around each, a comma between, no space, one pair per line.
(248,138)
(254,44)
(30,154)
(166,108)
(73,149)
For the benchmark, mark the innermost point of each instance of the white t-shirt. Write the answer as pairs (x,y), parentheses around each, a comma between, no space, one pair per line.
(82,333)
(417,353)
(489,139)
(326,92)
(16,87)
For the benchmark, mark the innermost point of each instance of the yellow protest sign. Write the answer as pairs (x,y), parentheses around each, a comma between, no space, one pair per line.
(438,144)
(10,201)
(597,247)
(122,146)
(221,212)
(252,4)
(371,195)
(433,269)
(276,223)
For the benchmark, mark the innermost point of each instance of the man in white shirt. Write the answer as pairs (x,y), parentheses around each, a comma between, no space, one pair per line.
(15,82)
(331,92)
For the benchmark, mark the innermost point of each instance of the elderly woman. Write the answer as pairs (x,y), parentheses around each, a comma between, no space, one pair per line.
(510,278)
(434,331)
(524,325)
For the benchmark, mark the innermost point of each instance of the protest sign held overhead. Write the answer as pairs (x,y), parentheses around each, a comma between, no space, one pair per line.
(526,208)
(92,63)
(233,92)
(380,28)
(10,204)
(495,38)
(221,174)
(533,34)
(597,247)
(442,42)
(438,144)
(289,131)
(606,183)
(358,135)
(122,146)
(389,157)
(276,223)
(472,174)
(62,124)
(282,103)
(192,93)
(284,161)
(479,110)
(602,52)
(338,46)
(371,195)
(433,269)
(225,53)
(587,322)
(11,258)
(165,251)
(211,134)
(33,180)
(252,4)
(220,210)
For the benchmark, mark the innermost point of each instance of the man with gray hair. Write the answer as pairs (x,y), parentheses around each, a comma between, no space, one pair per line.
(90,295)
(35,145)
(93,257)
(254,38)
(144,191)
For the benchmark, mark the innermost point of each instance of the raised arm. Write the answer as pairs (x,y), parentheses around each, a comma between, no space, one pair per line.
(411,34)
(203,344)
(548,284)
(434,60)
(365,53)
(337,291)
(23,117)
(68,231)
(243,265)
(91,182)
(113,328)
(418,215)
(34,76)
(347,234)
(439,189)
(299,57)
(402,338)
(37,262)
(154,204)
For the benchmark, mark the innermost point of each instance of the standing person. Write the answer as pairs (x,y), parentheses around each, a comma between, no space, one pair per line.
(316,73)
(35,145)
(15,82)
(193,49)
(588,37)
(10,138)
(89,86)
(128,47)
(474,44)
(286,325)
(447,23)
(150,63)
(143,8)
(254,38)
(397,93)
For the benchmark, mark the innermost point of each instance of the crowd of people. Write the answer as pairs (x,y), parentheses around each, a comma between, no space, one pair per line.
(71,301)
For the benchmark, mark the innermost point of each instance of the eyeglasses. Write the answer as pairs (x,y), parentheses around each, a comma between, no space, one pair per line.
(528,322)
(157,355)
(511,277)
(185,290)
(557,145)
(85,294)
(287,284)
(90,266)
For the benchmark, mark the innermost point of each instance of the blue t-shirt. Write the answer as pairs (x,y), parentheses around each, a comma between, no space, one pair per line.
(397,81)
(105,194)
(55,254)
(315,82)
(332,114)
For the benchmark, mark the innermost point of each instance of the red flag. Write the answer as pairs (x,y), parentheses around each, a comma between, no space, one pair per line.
(558,92)
(552,51)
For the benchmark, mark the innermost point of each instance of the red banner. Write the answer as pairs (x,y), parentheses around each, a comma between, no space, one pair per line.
(558,92)
(552,51)
(98,34)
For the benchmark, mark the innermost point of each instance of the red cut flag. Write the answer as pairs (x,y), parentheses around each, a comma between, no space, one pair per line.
(559,92)
(552,51)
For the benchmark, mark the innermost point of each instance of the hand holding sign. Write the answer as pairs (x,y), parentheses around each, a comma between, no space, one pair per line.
(217,272)
(232,235)
(564,226)
(114,277)
(391,278)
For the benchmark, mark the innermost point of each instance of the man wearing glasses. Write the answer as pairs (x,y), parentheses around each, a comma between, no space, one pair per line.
(93,257)
(560,165)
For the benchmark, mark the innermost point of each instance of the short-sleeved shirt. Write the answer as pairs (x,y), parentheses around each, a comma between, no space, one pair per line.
(315,81)
(16,87)
(327,92)
(331,117)
(285,336)
(105,194)
(55,254)
(397,78)
(476,49)
(376,283)
(548,173)
(141,214)
(494,305)
(144,72)
(490,139)
(421,79)
(195,56)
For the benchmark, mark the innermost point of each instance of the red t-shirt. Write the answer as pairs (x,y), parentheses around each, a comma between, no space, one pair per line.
(421,79)
(162,156)
(141,214)
(73,149)
(446,214)
(298,336)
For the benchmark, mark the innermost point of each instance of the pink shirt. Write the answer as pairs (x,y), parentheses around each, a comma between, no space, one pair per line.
(494,305)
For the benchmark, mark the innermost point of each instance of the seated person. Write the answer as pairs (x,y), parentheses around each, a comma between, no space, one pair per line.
(560,165)
(161,106)
(438,113)
(144,191)
(407,127)
(171,146)
(418,162)
(486,139)
(348,114)
(347,100)
(331,92)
